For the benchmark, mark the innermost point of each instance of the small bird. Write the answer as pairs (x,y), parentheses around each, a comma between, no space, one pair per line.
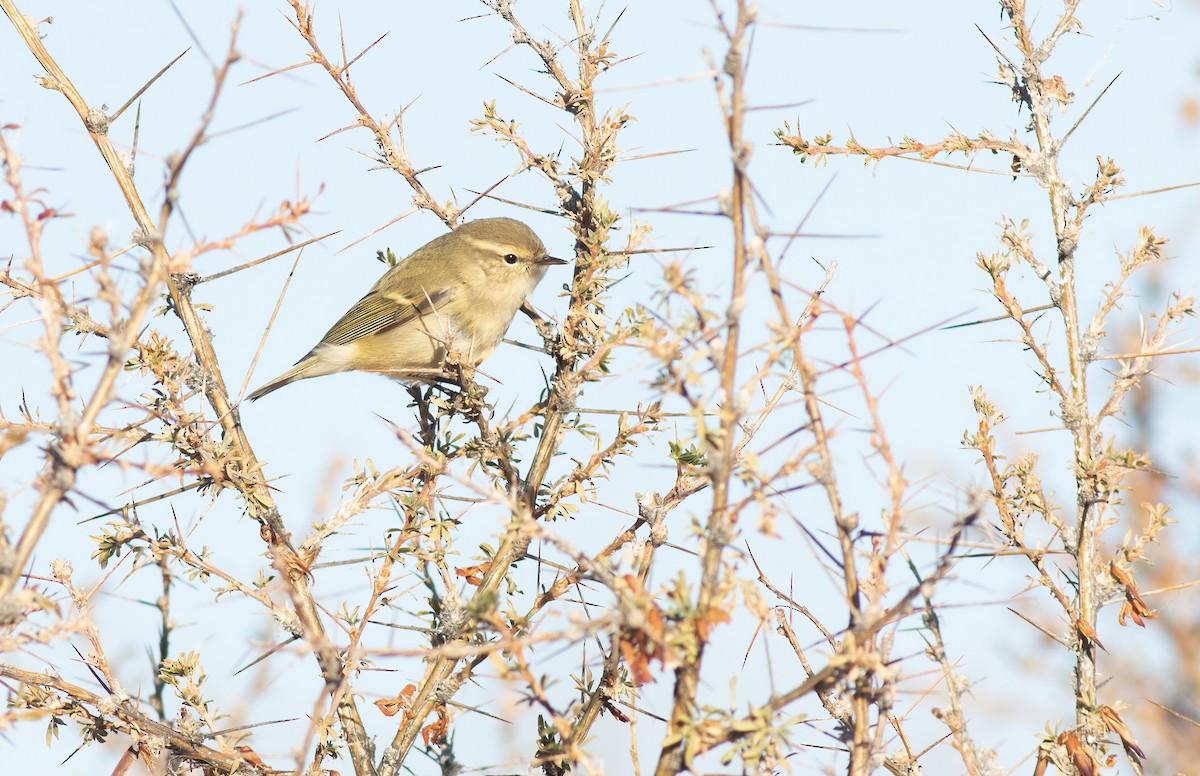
(457,292)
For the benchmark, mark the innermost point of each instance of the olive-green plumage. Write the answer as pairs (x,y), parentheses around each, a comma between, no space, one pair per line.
(457,292)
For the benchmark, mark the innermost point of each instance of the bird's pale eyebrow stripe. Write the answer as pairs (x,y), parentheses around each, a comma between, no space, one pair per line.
(491,246)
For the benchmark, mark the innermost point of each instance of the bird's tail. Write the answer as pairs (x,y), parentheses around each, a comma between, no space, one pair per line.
(302,370)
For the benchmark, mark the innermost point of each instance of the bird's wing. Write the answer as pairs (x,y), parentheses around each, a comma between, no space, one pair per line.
(380,311)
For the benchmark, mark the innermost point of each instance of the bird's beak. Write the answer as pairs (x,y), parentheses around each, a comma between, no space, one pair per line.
(547,261)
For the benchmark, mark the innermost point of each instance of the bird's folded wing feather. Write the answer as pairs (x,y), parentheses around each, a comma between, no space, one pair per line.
(378,311)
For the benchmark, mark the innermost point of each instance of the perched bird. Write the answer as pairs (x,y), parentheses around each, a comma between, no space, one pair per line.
(457,292)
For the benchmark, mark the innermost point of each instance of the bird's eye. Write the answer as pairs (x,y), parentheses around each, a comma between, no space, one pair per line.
(510,258)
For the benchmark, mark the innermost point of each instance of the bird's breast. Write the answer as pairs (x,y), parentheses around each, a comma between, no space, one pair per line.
(486,316)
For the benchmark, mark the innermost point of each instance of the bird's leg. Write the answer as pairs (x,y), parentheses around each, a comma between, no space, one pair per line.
(468,400)
(425,419)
